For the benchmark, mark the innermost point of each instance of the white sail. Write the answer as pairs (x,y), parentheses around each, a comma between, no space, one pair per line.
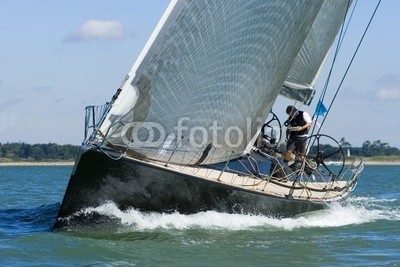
(208,78)
(129,95)
(299,84)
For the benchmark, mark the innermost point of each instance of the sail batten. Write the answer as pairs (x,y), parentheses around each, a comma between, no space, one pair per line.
(209,78)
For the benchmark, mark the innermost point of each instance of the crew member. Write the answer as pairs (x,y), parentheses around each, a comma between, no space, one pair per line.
(298,124)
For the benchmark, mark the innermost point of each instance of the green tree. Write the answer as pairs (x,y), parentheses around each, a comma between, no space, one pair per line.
(343,143)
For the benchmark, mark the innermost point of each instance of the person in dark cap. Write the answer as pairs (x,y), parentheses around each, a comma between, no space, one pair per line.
(298,124)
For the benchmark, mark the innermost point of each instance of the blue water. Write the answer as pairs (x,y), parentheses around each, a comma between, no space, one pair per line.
(365,230)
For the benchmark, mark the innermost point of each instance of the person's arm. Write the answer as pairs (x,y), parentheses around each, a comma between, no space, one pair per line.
(308,121)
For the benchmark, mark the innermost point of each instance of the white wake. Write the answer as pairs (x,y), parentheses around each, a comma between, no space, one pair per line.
(354,211)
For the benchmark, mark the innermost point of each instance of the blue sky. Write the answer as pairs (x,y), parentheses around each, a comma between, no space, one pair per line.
(56,57)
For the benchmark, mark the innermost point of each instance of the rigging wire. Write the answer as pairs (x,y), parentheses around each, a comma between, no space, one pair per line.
(348,67)
(342,34)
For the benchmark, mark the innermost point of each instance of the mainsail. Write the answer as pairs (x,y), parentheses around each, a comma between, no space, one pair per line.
(299,84)
(208,78)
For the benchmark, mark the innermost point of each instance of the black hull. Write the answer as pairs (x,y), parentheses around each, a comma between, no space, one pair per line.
(132,183)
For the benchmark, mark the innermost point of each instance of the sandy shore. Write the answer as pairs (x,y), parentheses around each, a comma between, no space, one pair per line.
(382,162)
(30,163)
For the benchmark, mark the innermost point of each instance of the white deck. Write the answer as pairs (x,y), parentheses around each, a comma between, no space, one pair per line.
(273,188)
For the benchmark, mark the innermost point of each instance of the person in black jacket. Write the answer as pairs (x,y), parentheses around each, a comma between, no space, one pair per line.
(298,124)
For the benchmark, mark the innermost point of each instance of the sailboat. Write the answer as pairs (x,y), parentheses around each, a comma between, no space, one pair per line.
(191,127)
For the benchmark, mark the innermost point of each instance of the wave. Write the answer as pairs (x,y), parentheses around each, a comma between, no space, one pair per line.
(16,221)
(353,211)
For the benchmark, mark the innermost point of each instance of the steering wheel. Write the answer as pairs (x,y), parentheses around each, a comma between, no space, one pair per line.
(272,129)
(327,153)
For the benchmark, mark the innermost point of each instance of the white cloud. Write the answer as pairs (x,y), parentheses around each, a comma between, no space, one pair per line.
(97,29)
(41,88)
(7,121)
(388,86)
(387,93)
(391,80)
(10,103)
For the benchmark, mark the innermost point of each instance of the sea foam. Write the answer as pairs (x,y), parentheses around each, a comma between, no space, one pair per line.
(353,211)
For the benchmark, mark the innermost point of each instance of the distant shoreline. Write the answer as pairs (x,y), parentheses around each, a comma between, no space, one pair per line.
(37,163)
(382,162)
(71,163)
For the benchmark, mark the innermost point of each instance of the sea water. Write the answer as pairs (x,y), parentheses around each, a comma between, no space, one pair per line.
(364,230)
